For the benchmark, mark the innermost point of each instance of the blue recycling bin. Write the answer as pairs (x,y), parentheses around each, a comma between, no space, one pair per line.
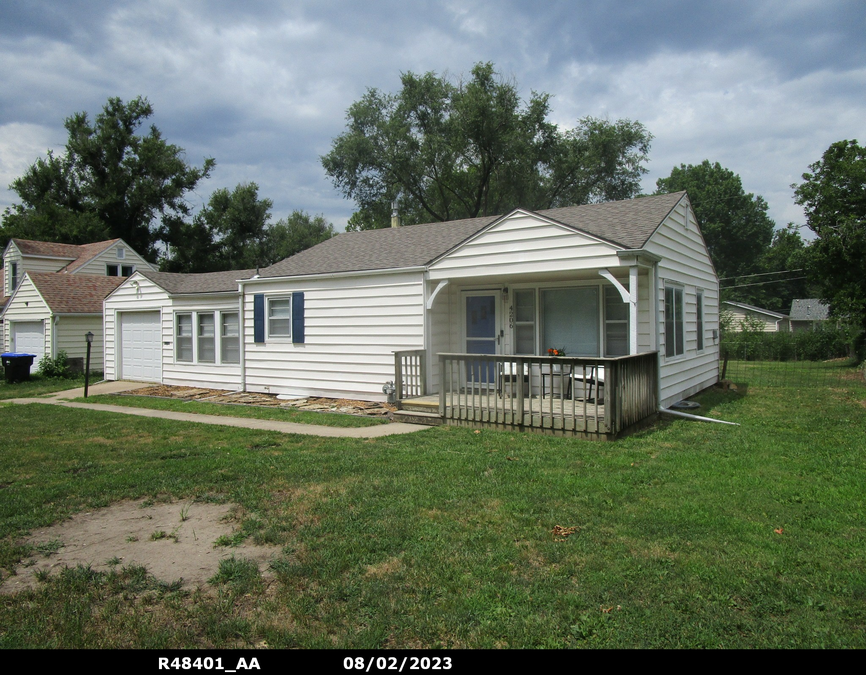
(17,366)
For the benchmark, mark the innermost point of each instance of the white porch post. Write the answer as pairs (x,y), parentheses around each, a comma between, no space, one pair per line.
(629,296)
(632,309)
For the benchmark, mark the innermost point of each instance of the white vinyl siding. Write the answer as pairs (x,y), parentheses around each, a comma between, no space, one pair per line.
(685,263)
(70,334)
(27,306)
(140,293)
(353,326)
(524,244)
(100,264)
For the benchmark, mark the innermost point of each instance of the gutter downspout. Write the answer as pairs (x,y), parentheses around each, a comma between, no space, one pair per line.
(242,336)
(697,418)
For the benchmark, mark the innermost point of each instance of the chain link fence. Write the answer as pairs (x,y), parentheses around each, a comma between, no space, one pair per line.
(804,359)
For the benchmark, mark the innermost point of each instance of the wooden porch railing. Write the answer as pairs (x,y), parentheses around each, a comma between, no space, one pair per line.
(410,374)
(580,395)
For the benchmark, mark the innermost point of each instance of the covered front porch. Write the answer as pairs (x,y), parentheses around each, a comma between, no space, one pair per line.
(597,398)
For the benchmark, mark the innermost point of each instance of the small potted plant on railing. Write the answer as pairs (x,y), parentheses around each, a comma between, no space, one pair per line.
(555,352)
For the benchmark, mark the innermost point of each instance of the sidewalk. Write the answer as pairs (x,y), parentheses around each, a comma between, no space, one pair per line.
(61,398)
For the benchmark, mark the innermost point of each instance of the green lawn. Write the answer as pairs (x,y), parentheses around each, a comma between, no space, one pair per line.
(232,410)
(38,385)
(685,535)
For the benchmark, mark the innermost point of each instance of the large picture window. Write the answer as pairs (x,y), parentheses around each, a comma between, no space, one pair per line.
(570,320)
(674,338)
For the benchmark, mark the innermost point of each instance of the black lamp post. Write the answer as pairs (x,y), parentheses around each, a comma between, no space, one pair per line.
(89,337)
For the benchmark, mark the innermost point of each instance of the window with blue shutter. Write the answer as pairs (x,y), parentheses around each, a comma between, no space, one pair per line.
(297,317)
(259,318)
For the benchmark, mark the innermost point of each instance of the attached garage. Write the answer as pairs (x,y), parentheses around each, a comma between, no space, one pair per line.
(28,337)
(140,346)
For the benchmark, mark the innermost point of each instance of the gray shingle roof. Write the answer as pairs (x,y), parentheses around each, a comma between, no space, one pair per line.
(74,294)
(809,309)
(207,282)
(628,224)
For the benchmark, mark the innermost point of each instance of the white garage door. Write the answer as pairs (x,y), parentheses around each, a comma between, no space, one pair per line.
(28,337)
(140,346)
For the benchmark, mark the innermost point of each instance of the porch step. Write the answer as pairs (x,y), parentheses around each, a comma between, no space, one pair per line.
(420,405)
(417,417)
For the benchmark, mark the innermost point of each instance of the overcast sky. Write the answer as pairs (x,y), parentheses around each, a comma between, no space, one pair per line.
(763,88)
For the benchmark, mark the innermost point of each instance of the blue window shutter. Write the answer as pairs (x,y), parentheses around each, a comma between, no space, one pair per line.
(297,317)
(259,317)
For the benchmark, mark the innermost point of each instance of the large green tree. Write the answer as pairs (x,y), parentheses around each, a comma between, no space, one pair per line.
(230,232)
(294,234)
(110,181)
(735,224)
(445,149)
(833,194)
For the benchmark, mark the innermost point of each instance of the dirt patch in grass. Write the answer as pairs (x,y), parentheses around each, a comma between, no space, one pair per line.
(173,541)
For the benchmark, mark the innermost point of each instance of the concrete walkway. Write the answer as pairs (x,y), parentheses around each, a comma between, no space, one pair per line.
(61,398)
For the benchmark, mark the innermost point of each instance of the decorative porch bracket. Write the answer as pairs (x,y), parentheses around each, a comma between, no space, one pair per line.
(442,284)
(628,296)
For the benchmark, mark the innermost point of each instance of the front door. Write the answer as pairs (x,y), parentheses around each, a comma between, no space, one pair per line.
(483,333)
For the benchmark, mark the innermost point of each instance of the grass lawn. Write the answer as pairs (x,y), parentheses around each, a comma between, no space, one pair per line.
(38,385)
(232,410)
(684,535)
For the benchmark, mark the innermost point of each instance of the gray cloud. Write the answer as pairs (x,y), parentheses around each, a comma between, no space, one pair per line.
(263,87)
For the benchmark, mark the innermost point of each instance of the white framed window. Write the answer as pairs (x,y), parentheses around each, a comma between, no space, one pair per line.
(524,321)
(206,336)
(119,270)
(700,313)
(674,337)
(13,278)
(230,348)
(616,335)
(121,253)
(280,317)
(183,337)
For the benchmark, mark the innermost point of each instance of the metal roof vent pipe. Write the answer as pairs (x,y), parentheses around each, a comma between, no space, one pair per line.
(396,221)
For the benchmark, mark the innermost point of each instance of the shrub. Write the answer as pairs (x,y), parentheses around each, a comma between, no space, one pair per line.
(821,344)
(56,367)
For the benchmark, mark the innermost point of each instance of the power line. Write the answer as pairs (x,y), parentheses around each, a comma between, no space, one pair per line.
(759,274)
(761,283)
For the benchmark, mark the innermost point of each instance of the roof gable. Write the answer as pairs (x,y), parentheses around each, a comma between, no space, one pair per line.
(752,308)
(175,283)
(626,224)
(80,294)
(809,309)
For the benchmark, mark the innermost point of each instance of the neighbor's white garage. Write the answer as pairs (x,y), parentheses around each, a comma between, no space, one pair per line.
(28,337)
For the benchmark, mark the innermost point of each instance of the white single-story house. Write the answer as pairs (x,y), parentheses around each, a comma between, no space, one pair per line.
(741,314)
(600,282)
(52,295)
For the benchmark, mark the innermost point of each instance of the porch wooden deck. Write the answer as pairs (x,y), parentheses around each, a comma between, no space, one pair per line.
(595,398)
(489,409)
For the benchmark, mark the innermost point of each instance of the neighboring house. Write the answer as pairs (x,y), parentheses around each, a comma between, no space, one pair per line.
(600,280)
(807,313)
(49,313)
(60,299)
(742,314)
